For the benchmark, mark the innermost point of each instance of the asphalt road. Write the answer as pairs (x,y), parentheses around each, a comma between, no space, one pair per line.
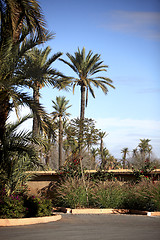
(88,227)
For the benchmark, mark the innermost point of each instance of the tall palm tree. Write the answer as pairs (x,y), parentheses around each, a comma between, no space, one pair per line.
(16,15)
(22,27)
(86,67)
(60,106)
(36,72)
(11,85)
(124,151)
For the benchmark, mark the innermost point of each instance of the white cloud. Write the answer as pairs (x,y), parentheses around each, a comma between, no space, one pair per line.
(127,132)
(145,24)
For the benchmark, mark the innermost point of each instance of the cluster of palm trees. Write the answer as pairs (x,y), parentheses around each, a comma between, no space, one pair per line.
(139,156)
(24,65)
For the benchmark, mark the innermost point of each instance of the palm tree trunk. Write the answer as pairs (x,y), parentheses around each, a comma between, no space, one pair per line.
(101,147)
(4,110)
(101,152)
(35,128)
(60,141)
(82,114)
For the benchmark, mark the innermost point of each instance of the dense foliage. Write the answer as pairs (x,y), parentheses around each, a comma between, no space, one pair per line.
(20,205)
(73,193)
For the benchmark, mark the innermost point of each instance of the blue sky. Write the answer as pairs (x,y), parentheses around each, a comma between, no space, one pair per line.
(127,35)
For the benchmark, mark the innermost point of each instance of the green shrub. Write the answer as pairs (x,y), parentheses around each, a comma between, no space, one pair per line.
(154,193)
(37,206)
(150,192)
(11,206)
(108,194)
(21,205)
(73,193)
(144,195)
(134,199)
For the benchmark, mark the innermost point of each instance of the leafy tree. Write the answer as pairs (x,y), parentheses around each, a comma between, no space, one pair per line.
(91,136)
(86,67)
(60,106)
(90,133)
(70,143)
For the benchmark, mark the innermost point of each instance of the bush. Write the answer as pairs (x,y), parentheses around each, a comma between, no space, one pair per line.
(11,206)
(21,205)
(37,206)
(108,195)
(149,191)
(134,199)
(73,193)
(144,195)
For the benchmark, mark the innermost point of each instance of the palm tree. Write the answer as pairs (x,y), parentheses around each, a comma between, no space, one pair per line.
(144,147)
(11,85)
(22,27)
(124,151)
(86,67)
(16,16)
(104,161)
(36,72)
(102,135)
(94,153)
(60,106)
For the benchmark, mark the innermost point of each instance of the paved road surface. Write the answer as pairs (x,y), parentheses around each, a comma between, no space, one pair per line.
(88,227)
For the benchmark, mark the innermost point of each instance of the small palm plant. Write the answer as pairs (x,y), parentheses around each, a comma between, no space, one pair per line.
(18,155)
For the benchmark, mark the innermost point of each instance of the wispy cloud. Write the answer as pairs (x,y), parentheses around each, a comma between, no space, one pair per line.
(144,24)
(127,132)
(149,90)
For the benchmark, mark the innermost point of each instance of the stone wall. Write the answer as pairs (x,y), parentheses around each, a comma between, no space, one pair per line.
(41,180)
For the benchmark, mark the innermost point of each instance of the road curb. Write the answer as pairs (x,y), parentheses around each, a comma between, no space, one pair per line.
(105,211)
(150,214)
(28,221)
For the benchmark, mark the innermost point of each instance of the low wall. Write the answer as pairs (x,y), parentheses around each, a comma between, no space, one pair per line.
(42,179)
